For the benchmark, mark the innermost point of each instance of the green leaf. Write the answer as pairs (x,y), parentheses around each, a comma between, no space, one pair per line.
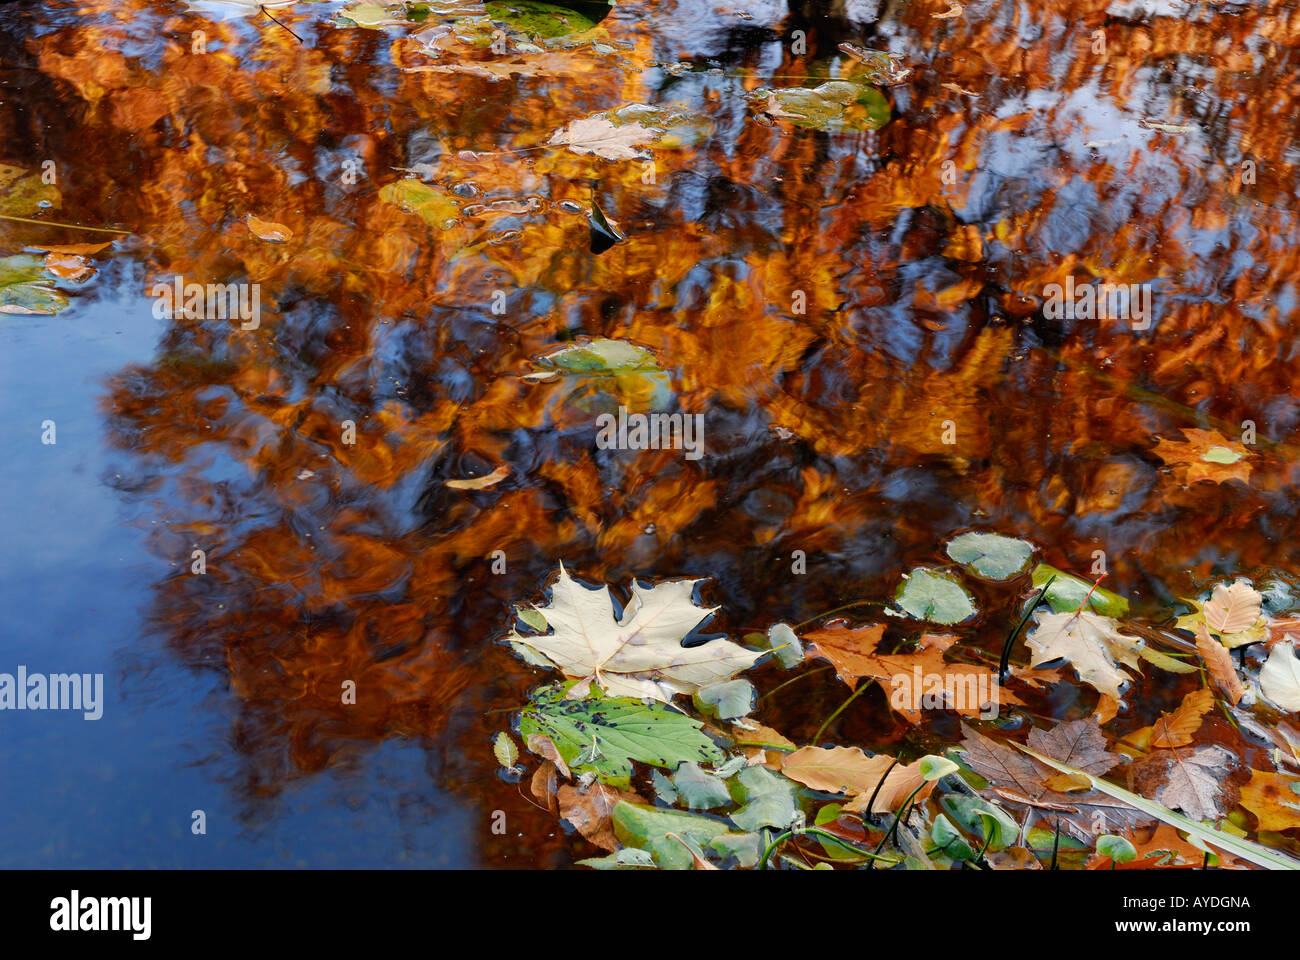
(536,19)
(601,356)
(770,800)
(991,555)
(837,105)
(1067,591)
(629,858)
(699,789)
(977,815)
(728,700)
(938,597)
(622,731)
(1116,847)
(933,767)
(24,196)
(647,828)
(25,287)
(745,847)
(1255,853)
(430,204)
(949,840)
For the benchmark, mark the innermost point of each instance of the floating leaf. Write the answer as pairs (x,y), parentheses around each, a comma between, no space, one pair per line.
(25,287)
(1067,592)
(1116,847)
(622,731)
(1092,644)
(647,828)
(268,230)
(597,135)
(504,749)
(23,196)
(836,105)
(640,655)
(430,204)
(728,700)
(937,597)
(1279,678)
(770,800)
(480,483)
(699,789)
(991,555)
(545,20)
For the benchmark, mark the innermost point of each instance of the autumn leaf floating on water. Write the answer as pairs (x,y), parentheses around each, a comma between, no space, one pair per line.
(639,654)
(268,230)
(1205,455)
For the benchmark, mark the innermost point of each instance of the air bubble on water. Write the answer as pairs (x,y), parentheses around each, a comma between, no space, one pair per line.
(648,528)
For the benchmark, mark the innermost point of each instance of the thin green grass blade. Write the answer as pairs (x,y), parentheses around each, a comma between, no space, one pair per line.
(1256,854)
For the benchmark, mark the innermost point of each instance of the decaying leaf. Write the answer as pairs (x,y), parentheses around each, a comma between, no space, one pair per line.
(480,483)
(268,230)
(849,771)
(1093,644)
(1177,729)
(597,135)
(1272,798)
(1279,678)
(918,679)
(1192,781)
(1016,778)
(1205,455)
(640,655)
(1223,673)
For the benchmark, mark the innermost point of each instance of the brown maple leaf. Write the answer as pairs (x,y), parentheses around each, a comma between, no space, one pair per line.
(1205,455)
(853,652)
(1193,781)
(1020,779)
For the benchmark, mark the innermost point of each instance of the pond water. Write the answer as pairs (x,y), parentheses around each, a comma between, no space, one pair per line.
(860,317)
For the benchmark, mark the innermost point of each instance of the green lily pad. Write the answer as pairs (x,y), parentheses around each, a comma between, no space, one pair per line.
(1067,592)
(770,800)
(25,287)
(728,700)
(431,205)
(546,20)
(937,597)
(605,734)
(784,644)
(991,555)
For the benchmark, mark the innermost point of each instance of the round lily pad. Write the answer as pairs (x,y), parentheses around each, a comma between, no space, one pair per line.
(938,597)
(991,555)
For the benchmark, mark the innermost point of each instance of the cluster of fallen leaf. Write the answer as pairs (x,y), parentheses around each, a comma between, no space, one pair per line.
(626,763)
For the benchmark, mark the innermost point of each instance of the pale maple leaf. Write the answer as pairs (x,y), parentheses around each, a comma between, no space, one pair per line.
(597,135)
(1093,645)
(641,655)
